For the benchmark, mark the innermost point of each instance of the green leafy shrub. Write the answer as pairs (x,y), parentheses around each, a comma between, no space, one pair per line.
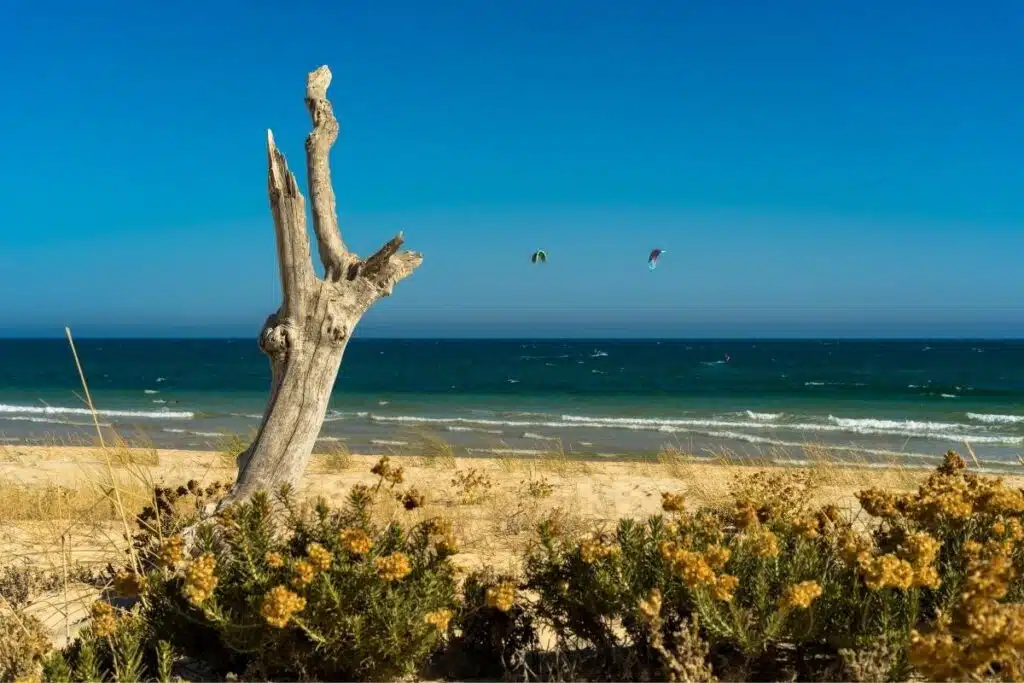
(782,590)
(115,648)
(280,590)
(495,629)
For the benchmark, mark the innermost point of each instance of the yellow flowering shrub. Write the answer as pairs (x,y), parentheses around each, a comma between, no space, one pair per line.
(305,591)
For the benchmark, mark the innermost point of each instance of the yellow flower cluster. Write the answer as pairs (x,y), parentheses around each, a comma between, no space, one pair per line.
(800,596)
(305,572)
(274,560)
(951,495)
(941,499)
(772,495)
(716,556)
(355,541)
(919,549)
(279,605)
(673,502)
(980,632)
(891,571)
(200,579)
(501,597)
(992,496)
(172,551)
(806,527)
(650,609)
(886,571)
(319,556)
(724,587)
(442,533)
(129,583)
(439,619)
(765,544)
(852,547)
(697,569)
(880,503)
(745,515)
(104,621)
(1010,531)
(393,567)
(594,550)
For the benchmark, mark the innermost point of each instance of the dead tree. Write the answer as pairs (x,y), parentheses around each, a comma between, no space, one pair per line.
(306,338)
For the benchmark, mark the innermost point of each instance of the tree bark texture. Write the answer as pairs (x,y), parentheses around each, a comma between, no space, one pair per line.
(306,338)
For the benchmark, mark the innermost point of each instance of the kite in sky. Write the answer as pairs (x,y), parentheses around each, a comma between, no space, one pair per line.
(652,260)
(539,255)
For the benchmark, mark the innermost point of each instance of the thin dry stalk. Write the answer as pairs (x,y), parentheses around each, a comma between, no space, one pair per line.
(110,469)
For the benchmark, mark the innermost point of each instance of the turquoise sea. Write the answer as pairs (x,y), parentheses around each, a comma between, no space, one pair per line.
(603,398)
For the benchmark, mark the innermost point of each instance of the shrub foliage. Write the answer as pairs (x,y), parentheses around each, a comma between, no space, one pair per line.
(764,586)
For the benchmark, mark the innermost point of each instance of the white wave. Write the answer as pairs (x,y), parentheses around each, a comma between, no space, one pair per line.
(60,410)
(251,416)
(385,442)
(763,417)
(50,421)
(335,415)
(150,391)
(539,437)
(512,381)
(458,428)
(506,451)
(159,401)
(599,354)
(992,418)
(750,438)
(897,425)
(161,379)
(949,396)
(330,438)
(191,433)
(937,431)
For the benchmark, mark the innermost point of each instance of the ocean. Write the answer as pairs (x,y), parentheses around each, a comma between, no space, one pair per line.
(872,401)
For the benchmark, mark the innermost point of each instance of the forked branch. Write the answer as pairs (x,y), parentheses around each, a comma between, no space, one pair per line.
(333,254)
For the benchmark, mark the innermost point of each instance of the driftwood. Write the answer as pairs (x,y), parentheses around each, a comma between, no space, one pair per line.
(306,338)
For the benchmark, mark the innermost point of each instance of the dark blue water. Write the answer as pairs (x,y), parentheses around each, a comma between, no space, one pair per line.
(597,397)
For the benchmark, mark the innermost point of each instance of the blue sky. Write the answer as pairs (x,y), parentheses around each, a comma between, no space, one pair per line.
(811,168)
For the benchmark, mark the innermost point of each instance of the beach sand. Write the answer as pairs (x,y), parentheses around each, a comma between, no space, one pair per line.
(82,527)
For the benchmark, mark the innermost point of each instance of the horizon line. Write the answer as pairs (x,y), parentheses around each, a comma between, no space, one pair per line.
(551,338)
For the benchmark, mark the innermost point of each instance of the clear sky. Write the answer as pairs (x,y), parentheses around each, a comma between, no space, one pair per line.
(823,168)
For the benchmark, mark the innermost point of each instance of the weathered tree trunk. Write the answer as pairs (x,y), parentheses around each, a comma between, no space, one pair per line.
(306,338)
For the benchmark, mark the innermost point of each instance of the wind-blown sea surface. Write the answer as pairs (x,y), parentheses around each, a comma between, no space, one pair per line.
(872,400)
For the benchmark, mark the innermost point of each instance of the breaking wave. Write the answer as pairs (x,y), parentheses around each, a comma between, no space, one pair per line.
(7,409)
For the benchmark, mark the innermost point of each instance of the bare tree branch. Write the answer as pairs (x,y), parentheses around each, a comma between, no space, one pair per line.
(396,269)
(289,210)
(372,265)
(318,149)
